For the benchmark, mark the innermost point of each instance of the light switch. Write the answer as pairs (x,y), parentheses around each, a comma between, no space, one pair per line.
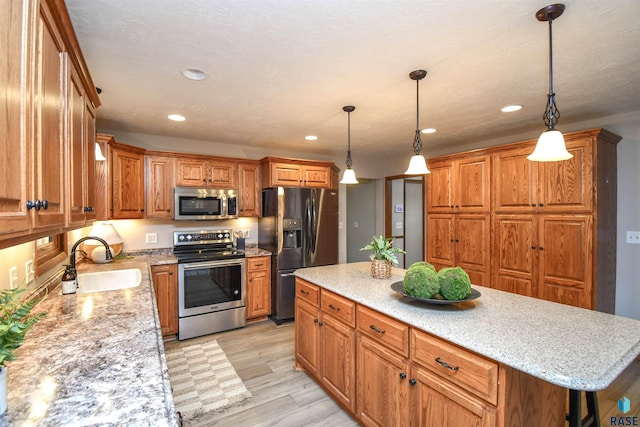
(151,237)
(355,224)
(399,225)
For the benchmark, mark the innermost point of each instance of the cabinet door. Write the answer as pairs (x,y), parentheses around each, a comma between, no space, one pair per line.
(383,381)
(440,187)
(472,184)
(165,286)
(14,182)
(128,185)
(76,148)
(514,181)
(316,176)
(307,337)
(515,254)
(159,188)
(49,93)
(285,175)
(337,359)
(223,174)
(441,240)
(567,186)
(191,173)
(566,266)
(249,190)
(439,403)
(473,246)
(258,294)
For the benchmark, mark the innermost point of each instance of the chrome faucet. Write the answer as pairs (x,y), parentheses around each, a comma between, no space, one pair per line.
(72,257)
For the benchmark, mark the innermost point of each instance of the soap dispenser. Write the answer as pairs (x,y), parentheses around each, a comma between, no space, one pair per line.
(69,283)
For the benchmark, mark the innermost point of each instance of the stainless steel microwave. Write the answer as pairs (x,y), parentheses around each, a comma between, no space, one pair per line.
(205,204)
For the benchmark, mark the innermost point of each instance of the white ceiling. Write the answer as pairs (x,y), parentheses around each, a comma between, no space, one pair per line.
(282,69)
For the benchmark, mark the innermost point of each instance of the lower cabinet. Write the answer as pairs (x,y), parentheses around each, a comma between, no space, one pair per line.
(165,286)
(326,346)
(258,287)
(387,373)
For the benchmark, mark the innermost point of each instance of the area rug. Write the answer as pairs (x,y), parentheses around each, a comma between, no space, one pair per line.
(202,378)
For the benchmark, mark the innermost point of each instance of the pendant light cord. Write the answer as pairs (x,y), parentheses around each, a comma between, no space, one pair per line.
(349,161)
(551,113)
(417,142)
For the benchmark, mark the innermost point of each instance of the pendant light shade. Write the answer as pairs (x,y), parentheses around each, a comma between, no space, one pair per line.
(550,146)
(349,176)
(417,164)
(98,155)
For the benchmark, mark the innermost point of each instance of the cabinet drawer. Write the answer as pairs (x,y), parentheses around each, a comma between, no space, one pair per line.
(257,263)
(467,370)
(307,292)
(338,307)
(384,330)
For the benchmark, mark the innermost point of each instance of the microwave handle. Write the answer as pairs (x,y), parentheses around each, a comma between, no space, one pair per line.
(225,209)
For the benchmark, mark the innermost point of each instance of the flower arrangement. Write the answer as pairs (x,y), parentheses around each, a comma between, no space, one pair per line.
(16,320)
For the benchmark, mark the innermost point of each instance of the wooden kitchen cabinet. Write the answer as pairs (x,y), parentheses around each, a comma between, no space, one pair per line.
(459,184)
(282,172)
(462,240)
(159,186)
(205,172)
(250,193)
(258,287)
(165,286)
(127,176)
(326,341)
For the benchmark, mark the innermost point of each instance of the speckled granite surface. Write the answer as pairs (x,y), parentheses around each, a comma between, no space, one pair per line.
(255,251)
(567,346)
(95,359)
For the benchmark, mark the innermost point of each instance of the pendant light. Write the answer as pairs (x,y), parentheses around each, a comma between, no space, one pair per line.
(550,146)
(98,155)
(349,176)
(417,164)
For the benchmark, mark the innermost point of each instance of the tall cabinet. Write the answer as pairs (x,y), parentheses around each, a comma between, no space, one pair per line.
(541,229)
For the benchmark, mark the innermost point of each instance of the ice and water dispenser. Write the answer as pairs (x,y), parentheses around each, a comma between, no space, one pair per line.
(292,231)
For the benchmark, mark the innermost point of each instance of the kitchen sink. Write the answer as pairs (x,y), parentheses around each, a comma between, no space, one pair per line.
(111,280)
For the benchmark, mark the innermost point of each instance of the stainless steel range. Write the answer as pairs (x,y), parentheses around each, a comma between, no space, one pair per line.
(211,282)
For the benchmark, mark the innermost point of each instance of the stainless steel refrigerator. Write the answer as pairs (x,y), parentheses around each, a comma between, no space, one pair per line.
(300,227)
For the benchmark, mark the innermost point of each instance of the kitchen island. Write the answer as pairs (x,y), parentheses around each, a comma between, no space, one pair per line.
(94,359)
(504,357)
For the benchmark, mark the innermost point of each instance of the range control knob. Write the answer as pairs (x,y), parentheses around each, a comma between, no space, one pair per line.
(189,237)
(181,237)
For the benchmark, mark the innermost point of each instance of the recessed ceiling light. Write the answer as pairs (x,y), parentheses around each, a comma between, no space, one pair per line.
(194,74)
(429,130)
(176,117)
(511,108)
(311,137)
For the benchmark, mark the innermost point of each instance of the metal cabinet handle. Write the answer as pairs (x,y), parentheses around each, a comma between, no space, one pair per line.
(413,382)
(533,205)
(403,375)
(380,331)
(315,320)
(446,365)
(303,292)
(88,209)
(541,204)
(45,205)
(533,247)
(332,307)
(541,248)
(30,205)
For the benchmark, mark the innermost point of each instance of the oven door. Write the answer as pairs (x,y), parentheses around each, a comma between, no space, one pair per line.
(209,286)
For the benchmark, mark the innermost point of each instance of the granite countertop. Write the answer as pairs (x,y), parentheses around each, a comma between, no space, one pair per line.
(95,359)
(568,346)
(250,252)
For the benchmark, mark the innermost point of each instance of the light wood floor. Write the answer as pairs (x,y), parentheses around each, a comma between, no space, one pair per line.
(262,354)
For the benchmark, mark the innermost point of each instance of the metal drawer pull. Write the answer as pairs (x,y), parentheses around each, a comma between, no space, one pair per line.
(380,331)
(303,292)
(332,307)
(446,365)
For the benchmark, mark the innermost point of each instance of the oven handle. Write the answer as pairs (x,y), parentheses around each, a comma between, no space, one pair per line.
(215,263)
(287,275)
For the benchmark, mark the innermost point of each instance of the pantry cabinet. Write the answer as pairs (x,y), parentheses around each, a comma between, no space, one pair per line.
(159,186)
(204,172)
(459,184)
(165,287)
(250,193)
(258,287)
(282,172)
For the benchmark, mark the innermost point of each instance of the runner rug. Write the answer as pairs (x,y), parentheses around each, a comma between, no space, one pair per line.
(202,378)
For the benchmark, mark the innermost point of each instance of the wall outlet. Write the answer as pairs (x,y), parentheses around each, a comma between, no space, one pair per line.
(151,238)
(13,277)
(633,237)
(29,273)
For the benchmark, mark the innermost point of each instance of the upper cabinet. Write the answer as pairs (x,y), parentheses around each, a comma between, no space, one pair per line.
(127,175)
(206,172)
(159,186)
(249,191)
(281,172)
(45,92)
(459,184)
